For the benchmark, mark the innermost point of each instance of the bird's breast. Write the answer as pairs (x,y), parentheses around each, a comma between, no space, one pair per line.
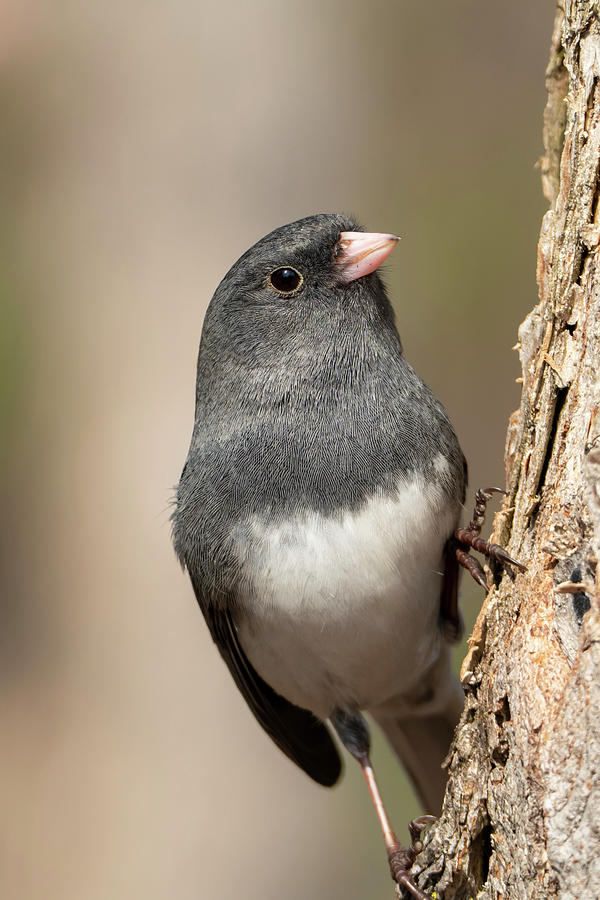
(342,609)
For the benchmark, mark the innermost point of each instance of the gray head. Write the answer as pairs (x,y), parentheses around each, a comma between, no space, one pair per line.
(297,287)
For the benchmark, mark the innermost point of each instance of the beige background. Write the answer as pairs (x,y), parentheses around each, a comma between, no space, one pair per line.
(145,145)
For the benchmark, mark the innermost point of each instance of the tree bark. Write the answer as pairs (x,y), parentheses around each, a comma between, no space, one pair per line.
(522,811)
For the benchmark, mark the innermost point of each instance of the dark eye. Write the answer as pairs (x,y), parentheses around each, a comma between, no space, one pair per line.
(285,280)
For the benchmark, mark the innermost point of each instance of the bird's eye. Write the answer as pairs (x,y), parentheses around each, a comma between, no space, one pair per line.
(285,280)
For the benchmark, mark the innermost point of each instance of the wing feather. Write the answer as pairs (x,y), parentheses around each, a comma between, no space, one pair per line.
(297,732)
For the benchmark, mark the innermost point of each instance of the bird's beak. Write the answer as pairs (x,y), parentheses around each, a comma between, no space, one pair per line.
(361,252)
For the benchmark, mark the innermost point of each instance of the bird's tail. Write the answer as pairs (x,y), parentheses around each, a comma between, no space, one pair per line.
(421,734)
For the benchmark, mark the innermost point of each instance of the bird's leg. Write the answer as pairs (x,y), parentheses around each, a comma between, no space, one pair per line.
(468,537)
(400,858)
(354,734)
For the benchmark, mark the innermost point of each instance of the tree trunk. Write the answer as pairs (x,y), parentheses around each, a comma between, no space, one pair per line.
(522,811)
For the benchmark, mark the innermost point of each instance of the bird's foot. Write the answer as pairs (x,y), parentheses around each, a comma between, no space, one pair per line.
(468,538)
(415,827)
(482,498)
(402,858)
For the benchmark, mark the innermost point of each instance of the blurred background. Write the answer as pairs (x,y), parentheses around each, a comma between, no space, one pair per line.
(144,146)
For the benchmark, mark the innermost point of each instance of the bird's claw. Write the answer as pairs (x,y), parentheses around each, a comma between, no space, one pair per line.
(401,858)
(415,827)
(495,551)
(469,538)
(473,566)
(485,494)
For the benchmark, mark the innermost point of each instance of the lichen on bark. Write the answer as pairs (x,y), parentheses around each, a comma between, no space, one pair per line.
(522,812)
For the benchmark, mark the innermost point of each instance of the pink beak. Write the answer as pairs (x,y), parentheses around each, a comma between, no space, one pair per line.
(362,252)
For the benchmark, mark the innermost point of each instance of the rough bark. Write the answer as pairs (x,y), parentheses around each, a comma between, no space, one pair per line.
(522,811)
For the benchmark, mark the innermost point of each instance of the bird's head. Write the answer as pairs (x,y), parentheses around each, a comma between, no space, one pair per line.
(300,284)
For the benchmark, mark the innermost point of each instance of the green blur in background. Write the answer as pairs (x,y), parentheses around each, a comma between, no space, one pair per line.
(144,147)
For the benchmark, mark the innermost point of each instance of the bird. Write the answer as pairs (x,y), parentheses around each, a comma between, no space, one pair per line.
(318,510)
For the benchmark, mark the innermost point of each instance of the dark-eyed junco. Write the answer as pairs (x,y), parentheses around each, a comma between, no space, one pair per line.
(317,506)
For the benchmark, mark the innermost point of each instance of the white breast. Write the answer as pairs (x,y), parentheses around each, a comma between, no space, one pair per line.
(344,609)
